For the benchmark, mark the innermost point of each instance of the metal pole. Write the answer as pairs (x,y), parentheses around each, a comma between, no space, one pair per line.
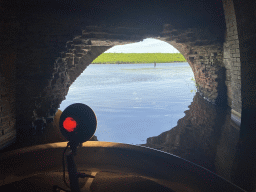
(73,176)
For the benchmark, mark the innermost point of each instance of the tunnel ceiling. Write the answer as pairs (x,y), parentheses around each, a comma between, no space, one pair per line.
(45,35)
(149,14)
(40,37)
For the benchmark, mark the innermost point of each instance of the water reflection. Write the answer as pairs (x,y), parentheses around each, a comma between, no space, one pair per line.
(205,136)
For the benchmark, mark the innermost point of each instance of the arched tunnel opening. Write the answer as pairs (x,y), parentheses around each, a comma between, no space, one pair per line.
(199,45)
(207,69)
(44,52)
(137,100)
(205,60)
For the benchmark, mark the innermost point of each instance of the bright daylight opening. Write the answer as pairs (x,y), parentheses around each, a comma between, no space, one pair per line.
(136,101)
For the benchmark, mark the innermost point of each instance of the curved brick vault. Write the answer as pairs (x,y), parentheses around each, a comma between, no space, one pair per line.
(46,49)
(46,45)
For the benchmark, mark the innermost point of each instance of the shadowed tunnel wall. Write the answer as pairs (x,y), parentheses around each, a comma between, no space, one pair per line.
(46,45)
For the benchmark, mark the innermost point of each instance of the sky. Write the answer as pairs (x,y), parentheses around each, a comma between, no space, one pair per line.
(148,45)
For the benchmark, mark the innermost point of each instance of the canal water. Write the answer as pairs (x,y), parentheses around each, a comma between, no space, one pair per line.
(134,101)
(158,107)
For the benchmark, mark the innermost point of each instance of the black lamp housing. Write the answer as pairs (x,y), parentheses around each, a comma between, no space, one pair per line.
(84,119)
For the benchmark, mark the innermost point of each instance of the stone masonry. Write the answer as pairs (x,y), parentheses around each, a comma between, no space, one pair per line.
(45,46)
(8,59)
(204,53)
(203,136)
(231,59)
(7,100)
(52,45)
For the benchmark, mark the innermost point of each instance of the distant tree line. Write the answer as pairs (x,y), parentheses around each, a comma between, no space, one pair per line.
(120,58)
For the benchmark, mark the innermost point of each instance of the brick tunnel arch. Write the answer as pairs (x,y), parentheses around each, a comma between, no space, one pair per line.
(205,61)
(41,80)
(34,33)
(199,49)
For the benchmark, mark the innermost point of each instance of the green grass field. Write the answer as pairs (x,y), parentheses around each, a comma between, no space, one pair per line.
(119,58)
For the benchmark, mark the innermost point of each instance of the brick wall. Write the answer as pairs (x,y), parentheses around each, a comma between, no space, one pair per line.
(8,55)
(203,51)
(203,136)
(7,100)
(210,74)
(245,169)
(42,80)
(231,60)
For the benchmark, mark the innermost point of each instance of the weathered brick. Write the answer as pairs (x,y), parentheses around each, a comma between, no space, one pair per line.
(233,59)
(76,70)
(232,51)
(232,42)
(236,73)
(235,46)
(235,37)
(235,55)
(232,28)
(226,55)
(236,64)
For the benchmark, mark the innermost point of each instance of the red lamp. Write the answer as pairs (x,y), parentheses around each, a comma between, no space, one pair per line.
(78,123)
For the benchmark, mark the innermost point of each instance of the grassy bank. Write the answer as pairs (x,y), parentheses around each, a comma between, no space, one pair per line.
(119,58)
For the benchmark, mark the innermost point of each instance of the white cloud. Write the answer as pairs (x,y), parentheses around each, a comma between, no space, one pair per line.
(148,45)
